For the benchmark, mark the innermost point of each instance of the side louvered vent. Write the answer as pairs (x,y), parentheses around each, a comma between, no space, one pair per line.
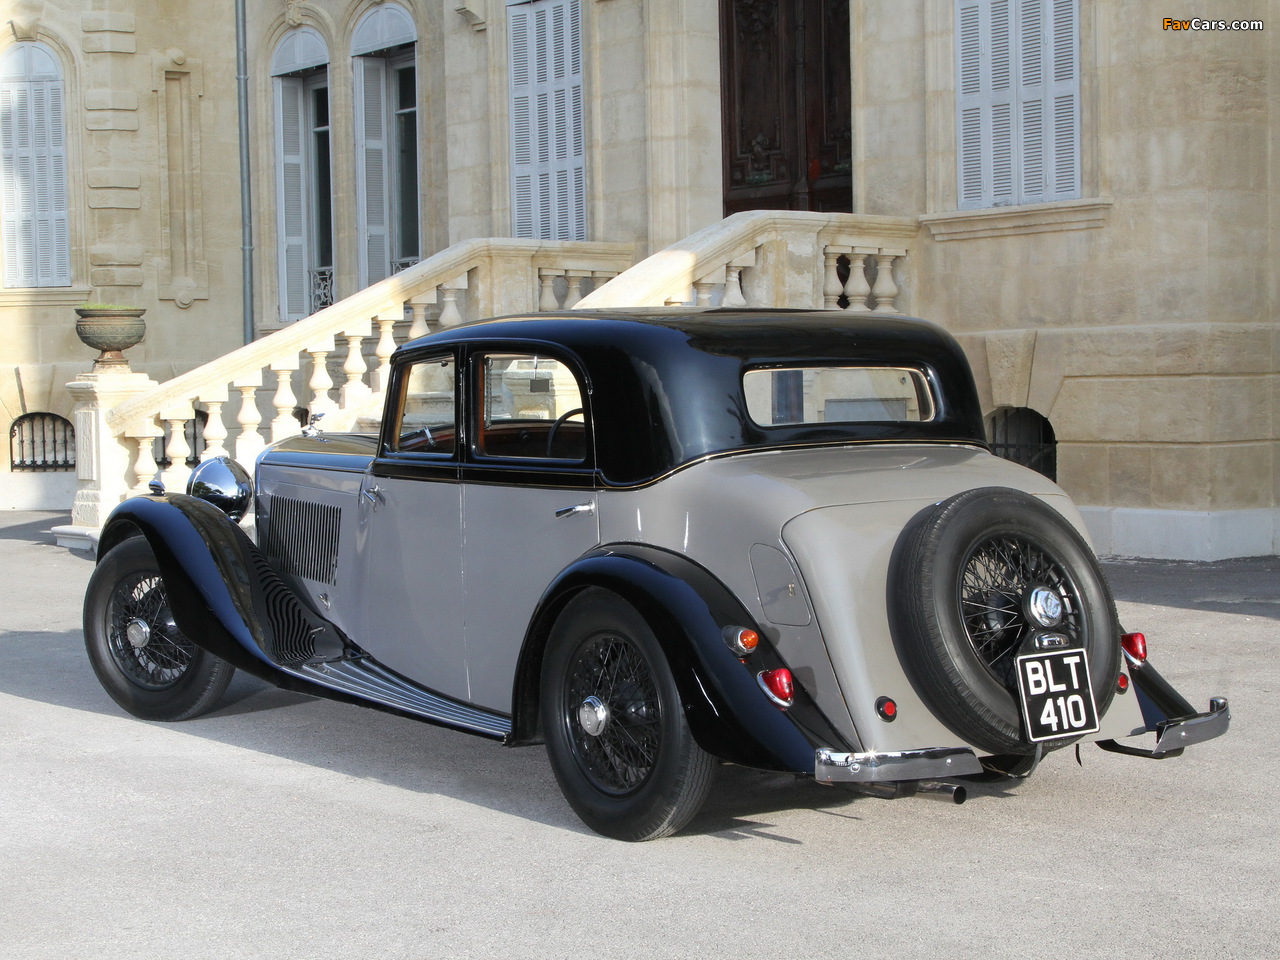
(291,638)
(302,539)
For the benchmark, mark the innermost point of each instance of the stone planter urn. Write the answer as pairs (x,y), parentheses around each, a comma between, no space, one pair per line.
(110,330)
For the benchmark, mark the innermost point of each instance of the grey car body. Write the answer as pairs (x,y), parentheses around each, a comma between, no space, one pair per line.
(566,525)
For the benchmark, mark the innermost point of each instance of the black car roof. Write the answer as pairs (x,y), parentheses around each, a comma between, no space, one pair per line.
(666,387)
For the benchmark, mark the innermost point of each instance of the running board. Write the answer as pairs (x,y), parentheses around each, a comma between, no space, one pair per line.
(368,680)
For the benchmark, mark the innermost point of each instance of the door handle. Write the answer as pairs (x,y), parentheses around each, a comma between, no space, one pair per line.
(576,509)
(373,495)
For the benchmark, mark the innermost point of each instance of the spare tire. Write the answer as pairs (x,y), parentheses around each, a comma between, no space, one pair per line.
(968,587)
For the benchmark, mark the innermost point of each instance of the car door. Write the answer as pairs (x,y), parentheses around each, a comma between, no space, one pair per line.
(410,545)
(528,502)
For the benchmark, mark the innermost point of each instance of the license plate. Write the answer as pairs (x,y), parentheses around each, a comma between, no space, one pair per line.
(1057,697)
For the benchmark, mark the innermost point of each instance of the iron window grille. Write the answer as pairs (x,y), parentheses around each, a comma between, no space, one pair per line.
(42,442)
(1024,436)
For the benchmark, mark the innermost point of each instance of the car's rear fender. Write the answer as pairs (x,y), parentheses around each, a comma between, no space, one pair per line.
(223,595)
(688,609)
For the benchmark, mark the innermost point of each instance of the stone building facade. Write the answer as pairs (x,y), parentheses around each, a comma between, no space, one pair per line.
(1092,187)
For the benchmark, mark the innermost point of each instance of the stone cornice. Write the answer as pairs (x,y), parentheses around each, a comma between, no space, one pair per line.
(1012,221)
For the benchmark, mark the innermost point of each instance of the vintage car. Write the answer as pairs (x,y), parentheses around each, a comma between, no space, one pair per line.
(654,541)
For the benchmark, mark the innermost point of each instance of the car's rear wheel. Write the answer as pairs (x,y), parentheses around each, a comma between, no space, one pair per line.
(616,734)
(142,659)
(975,577)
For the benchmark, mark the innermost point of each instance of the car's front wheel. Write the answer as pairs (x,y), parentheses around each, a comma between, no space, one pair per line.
(616,734)
(141,658)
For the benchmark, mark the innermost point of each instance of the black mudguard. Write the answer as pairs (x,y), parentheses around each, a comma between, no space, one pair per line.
(223,594)
(688,608)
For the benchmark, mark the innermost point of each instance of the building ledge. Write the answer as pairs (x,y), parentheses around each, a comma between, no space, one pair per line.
(1018,221)
(77,538)
(1183,534)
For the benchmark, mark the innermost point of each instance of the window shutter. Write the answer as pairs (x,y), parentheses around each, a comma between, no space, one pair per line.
(33,171)
(1017,96)
(547,133)
(371,168)
(290,189)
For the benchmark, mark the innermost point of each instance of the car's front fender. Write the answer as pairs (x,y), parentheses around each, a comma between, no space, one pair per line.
(223,595)
(688,609)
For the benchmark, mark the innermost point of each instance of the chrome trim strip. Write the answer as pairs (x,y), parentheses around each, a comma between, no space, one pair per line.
(368,680)
(832,767)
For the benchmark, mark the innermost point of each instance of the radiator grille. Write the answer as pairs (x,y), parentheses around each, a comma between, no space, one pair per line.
(292,632)
(302,539)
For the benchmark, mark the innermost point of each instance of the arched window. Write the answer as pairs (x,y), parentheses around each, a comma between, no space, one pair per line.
(304,182)
(33,168)
(386,124)
(42,442)
(1023,436)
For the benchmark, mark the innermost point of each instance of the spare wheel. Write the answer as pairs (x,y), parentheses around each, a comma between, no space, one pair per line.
(973,578)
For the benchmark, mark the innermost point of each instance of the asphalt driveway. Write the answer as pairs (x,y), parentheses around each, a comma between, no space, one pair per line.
(282,826)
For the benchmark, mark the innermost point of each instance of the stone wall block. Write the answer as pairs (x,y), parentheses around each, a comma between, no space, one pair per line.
(1048,369)
(111,120)
(1179,475)
(116,277)
(101,22)
(1165,409)
(1084,471)
(115,199)
(1077,414)
(1239,408)
(109,43)
(1240,475)
(1009,366)
(110,100)
(1129,482)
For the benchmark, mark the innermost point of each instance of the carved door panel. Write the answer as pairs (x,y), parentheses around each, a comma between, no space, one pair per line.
(786,105)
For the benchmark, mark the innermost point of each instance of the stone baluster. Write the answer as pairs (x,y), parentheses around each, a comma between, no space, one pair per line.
(215,430)
(547,300)
(285,400)
(886,289)
(354,368)
(320,382)
(251,441)
(832,288)
(733,293)
(704,290)
(450,315)
(176,448)
(385,348)
(142,468)
(856,287)
(573,292)
(419,306)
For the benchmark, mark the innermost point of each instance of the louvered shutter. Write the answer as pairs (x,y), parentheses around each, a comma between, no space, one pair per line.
(548,163)
(1017,96)
(33,171)
(291,192)
(371,168)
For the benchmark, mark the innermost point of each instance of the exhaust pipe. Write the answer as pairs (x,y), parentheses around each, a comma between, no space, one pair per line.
(932,789)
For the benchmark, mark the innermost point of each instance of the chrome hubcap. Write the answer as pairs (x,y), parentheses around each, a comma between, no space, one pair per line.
(593,716)
(1045,606)
(138,633)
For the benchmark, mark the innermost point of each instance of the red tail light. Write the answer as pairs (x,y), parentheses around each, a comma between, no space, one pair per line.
(778,686)
(1135,645)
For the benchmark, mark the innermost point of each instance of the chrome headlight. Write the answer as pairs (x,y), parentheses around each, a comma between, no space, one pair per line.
(224,483)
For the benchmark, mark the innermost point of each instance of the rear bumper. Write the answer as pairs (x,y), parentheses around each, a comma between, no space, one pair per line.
(1167,714)
(830,766)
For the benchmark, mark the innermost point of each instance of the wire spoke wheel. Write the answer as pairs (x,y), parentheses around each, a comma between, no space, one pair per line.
(996,581)
(142,659)
(617,736)
(613,670)
(143,639)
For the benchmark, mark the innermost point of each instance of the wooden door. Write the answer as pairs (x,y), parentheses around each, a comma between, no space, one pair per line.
(787,105)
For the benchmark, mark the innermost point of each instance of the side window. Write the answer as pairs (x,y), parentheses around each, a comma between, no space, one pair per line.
(427,419)
(530,407)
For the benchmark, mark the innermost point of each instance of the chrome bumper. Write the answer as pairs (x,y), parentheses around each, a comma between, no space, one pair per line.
(832,767)
(1174,734)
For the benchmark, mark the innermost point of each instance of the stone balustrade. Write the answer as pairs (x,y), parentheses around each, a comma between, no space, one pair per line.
(133,430)
(775,258)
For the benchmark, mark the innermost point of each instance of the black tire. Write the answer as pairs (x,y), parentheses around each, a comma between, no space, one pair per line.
(639,775)
(140,656)
(963,575)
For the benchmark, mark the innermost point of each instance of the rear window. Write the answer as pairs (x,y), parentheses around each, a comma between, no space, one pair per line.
(779,396)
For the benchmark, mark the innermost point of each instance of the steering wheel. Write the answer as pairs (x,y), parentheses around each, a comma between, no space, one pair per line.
(560,420)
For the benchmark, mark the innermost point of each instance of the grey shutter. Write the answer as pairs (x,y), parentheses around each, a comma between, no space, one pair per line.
(33,173)
(548,160)
(1017,97)
(371,168)
(291,197)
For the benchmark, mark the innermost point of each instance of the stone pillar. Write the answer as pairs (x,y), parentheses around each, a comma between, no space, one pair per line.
(103,462)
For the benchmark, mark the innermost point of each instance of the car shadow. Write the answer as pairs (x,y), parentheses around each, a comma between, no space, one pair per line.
(1249,587)
(365,744)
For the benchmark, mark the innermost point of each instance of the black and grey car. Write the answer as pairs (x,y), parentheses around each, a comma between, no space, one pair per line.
(655,542)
